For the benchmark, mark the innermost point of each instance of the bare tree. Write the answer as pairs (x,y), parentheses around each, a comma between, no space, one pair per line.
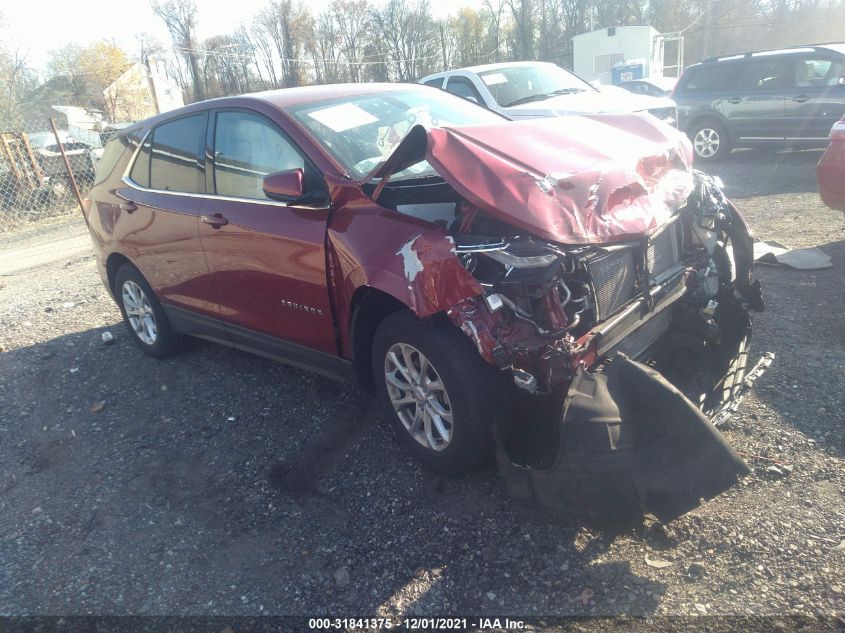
(353,20)
(180,17)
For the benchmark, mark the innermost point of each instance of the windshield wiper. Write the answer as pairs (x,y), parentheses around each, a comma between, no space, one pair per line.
(542,96)
(527,99)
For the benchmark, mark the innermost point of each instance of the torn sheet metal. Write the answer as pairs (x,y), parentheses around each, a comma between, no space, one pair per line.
(572,180)
(798,258)
(436,279)
(629,444)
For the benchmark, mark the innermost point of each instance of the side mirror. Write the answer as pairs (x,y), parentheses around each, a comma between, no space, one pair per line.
(842,80)
(284,186)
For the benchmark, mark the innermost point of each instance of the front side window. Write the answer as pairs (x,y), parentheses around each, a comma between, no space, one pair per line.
(817,72)
(175,164)
(463,88)
(247,147)
(435,83)
(361,131)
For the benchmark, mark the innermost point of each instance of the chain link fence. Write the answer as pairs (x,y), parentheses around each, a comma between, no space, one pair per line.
(34,181)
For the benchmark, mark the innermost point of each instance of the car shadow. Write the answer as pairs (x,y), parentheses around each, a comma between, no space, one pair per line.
(218,482)
(759,172)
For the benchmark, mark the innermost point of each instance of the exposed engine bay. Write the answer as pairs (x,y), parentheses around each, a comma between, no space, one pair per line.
(623,291)
(545,309)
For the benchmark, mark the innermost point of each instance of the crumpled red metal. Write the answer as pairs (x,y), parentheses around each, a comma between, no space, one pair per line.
(574,180)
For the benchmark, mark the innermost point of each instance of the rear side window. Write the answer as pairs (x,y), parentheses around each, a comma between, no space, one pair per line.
(710,78)
(818,72)
(111,154)
(247,147)
(175,164)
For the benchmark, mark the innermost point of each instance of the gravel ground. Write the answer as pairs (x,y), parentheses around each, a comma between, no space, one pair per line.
(221,483)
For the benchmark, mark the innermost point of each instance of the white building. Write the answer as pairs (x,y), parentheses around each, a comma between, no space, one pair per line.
(141,92)
(597,52)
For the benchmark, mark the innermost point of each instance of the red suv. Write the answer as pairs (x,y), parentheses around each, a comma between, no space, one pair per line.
(447,258)
(831,169)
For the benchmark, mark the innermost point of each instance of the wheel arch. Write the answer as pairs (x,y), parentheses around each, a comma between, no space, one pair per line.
(369,307)
(113,264)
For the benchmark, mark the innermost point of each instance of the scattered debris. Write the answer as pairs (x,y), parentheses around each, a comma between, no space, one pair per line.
(98,406)
(695,570)
(778,472)
(775,254)
(701,608)
(657,563)
(586,597)
(73,370)
(108,338)
(68,304)
(491,595)
(342,577)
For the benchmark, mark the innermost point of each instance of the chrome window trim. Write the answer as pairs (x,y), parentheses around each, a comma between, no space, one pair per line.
(125,179)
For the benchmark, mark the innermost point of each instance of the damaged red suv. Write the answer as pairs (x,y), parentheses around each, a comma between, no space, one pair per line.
(450,258)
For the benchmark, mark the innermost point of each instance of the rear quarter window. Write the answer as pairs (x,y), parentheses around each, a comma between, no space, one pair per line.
(111,155)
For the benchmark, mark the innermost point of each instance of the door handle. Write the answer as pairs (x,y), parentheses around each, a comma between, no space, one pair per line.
(216,221)
(128,206)
(801,98)
(735,100)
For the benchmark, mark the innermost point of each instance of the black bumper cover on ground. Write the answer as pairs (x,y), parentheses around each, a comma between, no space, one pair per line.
(630,444)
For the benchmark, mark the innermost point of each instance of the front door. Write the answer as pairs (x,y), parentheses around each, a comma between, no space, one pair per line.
(267,258)
(815,101)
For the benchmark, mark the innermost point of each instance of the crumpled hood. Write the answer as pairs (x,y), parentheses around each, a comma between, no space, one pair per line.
(573,180)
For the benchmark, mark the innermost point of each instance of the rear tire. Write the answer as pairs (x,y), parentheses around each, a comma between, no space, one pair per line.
(143,315)
(709,141)
(442,397)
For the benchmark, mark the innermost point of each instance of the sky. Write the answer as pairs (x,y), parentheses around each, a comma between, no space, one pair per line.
(39,26)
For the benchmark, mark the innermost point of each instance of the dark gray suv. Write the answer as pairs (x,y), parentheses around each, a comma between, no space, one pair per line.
(787,98)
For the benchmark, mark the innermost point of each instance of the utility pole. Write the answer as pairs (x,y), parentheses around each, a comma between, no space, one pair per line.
(443,46)
(708,25)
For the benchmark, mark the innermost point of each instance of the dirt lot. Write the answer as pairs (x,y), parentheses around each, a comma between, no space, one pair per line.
(220,483)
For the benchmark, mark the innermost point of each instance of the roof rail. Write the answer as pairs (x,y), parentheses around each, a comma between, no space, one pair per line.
(813,47)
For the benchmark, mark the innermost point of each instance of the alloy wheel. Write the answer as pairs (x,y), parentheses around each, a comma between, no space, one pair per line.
(418,396)
(706,142)
(139,312)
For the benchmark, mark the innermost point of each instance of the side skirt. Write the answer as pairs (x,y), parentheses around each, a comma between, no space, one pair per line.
(193,324)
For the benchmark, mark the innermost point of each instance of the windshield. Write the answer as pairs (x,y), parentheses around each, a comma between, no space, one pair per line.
(362,130)
(513,85)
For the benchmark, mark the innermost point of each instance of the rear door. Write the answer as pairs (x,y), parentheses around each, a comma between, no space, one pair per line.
(754,104)
(815,100)
(158,222)
(267,258)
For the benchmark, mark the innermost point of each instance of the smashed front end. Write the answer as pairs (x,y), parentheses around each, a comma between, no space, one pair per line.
(620,285)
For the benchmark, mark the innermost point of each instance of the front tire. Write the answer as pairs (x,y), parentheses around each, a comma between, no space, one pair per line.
(143,315)
(441,396)
(710,141)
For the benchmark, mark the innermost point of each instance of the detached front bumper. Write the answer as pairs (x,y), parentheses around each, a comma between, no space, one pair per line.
(629,444)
